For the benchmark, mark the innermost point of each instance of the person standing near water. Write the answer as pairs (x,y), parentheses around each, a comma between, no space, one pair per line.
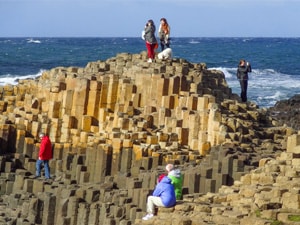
(164,34)
(151,42)
(244,68)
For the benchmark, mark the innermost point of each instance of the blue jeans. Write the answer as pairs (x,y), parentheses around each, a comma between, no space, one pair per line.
(46,167)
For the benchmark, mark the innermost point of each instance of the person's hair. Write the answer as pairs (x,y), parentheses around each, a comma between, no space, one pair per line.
(41,135)
(169,167)
(165,20)
(151,22)
(242,61)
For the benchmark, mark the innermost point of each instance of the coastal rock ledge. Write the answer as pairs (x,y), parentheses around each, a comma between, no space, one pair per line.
(115,124)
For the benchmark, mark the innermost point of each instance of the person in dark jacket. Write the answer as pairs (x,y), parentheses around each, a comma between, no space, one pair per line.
(45,154)
(163,195)
(151,42)
(242,75)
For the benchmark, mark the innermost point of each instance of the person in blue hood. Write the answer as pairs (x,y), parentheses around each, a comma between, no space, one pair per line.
(163,195)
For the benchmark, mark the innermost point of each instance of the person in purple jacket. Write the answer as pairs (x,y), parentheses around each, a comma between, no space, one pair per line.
(163,195)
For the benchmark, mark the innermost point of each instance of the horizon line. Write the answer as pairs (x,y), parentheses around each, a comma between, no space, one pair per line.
(139,37)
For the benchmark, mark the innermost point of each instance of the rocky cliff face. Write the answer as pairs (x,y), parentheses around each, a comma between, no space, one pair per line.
(115,124)
(287,112)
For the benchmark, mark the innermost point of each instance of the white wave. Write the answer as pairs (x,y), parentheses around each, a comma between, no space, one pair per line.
(228,72)
(13,79)
(269,98)
(265,86)
(231,72)
(277,95)
(247,39)
(265,72)
(5,41)
(194,42)
(30,40)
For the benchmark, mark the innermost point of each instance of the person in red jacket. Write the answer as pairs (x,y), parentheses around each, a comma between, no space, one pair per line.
(45,154)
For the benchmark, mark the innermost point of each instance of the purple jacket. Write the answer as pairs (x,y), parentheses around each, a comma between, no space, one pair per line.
(165,190)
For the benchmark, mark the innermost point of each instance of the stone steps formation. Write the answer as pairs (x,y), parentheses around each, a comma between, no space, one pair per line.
(115,124)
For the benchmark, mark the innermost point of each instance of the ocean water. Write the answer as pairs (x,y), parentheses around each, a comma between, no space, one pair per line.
(275,61)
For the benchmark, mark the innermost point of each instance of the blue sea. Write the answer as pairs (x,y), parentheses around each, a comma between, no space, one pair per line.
(275,61)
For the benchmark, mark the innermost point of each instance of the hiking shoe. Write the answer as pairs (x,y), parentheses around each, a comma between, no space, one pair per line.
(148,216)
(48,180)
(149,60)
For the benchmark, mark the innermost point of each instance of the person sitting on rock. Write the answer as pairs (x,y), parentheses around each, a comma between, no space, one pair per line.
(163,195)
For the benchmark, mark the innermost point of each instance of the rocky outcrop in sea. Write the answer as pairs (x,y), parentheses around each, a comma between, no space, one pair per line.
(287,112)
(115,124)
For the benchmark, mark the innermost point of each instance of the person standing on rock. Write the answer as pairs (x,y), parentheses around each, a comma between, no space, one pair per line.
(163,195)
(149,37)
(244,68)
(164,34)
(45,154)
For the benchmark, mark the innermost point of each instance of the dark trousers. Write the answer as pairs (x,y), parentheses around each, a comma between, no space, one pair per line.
(163,44)
(244,86)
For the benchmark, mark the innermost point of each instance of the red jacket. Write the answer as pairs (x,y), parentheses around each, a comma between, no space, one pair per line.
(45,149)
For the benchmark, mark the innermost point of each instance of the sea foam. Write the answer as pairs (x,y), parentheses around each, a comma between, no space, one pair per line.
(13,79)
